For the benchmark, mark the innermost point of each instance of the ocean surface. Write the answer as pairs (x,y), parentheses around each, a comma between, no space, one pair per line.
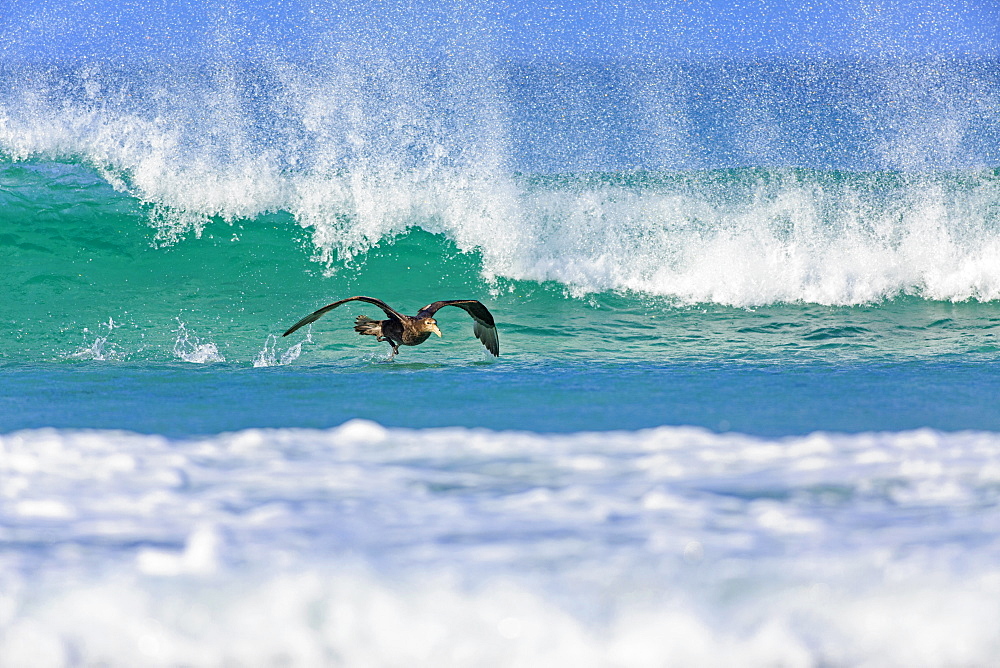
(746,411)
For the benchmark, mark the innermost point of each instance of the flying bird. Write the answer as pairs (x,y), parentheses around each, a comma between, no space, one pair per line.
(405,330)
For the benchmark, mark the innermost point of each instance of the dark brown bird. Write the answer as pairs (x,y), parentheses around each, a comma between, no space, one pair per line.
(405,330)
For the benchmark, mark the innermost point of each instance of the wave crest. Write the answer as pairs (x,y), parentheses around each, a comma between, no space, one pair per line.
(359,148)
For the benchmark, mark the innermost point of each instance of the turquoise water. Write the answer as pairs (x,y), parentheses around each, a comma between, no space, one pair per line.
(745,408)
(122,323)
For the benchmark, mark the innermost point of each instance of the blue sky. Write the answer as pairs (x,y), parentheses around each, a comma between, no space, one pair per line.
(545,29)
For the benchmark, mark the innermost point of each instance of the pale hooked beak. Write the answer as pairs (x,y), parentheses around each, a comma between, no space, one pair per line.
(434,328)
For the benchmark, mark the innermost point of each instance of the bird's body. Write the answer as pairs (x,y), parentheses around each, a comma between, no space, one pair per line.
(404,330)
(392,330)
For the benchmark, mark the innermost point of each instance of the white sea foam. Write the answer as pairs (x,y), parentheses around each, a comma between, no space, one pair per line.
(352,617)
(99,349)
(363,545)
(268,355)
(189,348)
(794,240)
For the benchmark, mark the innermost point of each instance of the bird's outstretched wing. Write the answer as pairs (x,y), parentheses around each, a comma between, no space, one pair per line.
(484,328)
(316,315)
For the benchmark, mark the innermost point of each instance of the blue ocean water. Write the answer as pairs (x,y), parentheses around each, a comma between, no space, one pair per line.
(745,410)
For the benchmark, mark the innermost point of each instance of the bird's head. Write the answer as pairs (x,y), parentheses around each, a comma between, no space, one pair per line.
(431,325)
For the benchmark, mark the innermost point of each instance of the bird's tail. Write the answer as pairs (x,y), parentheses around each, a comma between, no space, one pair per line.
(365,325)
